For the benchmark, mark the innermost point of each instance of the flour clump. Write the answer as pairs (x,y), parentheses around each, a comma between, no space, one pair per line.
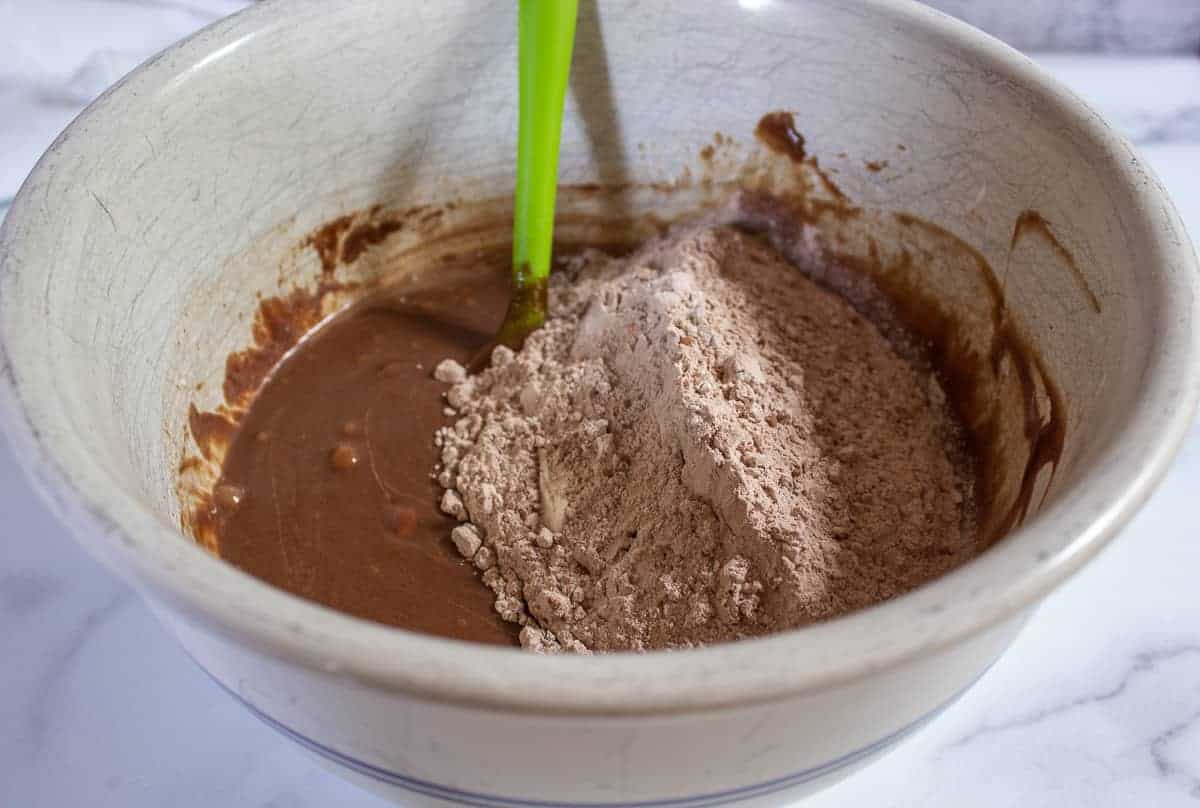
(700,445)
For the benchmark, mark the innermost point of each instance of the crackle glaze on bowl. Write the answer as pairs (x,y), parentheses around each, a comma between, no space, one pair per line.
(150,225)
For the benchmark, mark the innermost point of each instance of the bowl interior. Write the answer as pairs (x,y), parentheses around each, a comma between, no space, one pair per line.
(136,256)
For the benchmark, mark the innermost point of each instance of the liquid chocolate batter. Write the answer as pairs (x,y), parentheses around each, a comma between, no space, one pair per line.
(325,490)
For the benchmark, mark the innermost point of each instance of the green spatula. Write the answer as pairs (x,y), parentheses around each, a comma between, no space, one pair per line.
(546,35)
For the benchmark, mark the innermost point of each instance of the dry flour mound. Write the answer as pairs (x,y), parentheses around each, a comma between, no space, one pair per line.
(700,445)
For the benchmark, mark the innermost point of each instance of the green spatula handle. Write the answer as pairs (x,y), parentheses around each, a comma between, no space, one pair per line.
(546,34)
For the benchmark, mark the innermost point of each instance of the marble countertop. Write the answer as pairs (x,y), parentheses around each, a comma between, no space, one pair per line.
(1097,703)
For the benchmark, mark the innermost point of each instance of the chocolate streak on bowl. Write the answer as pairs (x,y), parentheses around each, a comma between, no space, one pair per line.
(1044,423)
(344,239)
(1032,222)
(778,131)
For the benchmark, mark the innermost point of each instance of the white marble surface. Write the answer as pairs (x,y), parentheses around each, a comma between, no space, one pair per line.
(1097,704)
(1128,26)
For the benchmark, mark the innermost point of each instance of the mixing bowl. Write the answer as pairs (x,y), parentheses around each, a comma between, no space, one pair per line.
(131,262)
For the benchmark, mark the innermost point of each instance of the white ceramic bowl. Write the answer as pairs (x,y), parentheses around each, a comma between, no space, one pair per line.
(130,259)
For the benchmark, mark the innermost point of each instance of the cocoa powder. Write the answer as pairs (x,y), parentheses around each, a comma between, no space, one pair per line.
(700,445)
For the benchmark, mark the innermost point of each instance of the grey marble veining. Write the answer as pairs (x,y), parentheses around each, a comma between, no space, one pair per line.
(1139,666)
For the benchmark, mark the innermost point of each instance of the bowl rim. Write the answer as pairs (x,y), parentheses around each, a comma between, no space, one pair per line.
(997,586)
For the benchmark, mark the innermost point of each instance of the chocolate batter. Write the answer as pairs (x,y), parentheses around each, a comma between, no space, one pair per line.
(325,490)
